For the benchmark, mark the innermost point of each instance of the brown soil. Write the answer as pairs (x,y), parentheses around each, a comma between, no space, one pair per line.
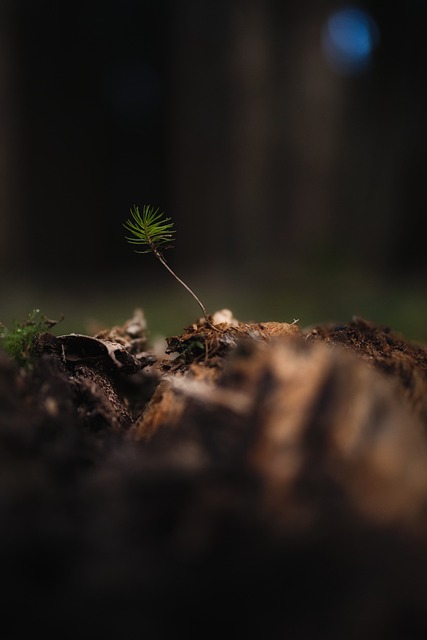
(255,478)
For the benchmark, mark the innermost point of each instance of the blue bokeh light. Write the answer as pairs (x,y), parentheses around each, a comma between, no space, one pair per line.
(349,39)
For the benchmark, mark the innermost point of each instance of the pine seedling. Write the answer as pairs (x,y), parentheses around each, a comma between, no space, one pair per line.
(152,230)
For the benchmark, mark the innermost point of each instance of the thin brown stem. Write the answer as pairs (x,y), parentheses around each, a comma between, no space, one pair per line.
(181,282)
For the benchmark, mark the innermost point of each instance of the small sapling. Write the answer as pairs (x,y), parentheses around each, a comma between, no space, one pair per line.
(154,231)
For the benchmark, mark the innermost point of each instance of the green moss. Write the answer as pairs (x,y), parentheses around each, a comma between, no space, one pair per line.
(18,340)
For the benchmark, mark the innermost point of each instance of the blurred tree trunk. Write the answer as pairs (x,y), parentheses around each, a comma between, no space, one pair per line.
(286,126)
(254,160)
(10,244)
(253,130)
(200,131)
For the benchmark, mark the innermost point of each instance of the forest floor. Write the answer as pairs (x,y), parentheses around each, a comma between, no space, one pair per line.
(257,478)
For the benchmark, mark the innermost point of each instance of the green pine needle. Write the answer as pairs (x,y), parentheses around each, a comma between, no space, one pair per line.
(150,229)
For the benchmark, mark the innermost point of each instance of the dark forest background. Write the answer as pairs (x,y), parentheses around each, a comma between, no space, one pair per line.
(298,187)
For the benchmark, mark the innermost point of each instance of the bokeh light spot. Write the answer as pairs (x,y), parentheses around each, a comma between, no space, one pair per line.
(349,39)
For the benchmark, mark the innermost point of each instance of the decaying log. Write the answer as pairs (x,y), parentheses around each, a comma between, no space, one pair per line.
(310,420)
(261,479)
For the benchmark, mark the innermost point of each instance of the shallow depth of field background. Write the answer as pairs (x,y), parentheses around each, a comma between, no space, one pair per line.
(286,139)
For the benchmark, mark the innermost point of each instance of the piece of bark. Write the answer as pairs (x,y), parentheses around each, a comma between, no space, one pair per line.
(386,351)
